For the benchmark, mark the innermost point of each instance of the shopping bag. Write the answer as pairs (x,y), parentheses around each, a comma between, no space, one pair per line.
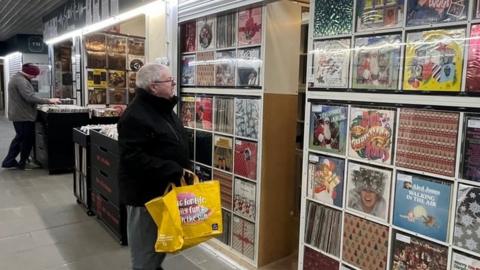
(200,210)
(166,216)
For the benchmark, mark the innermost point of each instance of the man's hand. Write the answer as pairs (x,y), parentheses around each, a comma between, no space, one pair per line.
(54,101)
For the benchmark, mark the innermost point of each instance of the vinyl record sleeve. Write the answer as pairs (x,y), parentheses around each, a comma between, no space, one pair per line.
(249,64)
(406,248)
(245,162)
(328,128)
(226,30)
(473,62)
(225,68)
(203,113)
(188,70)
(421,12)
(422,205)
(331,63)
(372,134)
(188,37)
(326,179)
(470,162)
(332,17)
(247,115)
(206,33)
(376,63)
(223,153)
(434,60)
(467,218)
(368,190)
(250,26)
(379,14)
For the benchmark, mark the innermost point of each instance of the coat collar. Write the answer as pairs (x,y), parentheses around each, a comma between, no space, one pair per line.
(159,103)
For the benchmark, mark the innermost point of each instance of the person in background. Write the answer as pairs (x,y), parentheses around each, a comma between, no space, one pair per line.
(153,154)
(22,111)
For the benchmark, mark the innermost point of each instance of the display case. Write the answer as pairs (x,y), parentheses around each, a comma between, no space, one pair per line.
(390,126)
(239,105)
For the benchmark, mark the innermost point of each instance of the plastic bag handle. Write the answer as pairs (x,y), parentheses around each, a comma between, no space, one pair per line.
(169,187)
(196,180)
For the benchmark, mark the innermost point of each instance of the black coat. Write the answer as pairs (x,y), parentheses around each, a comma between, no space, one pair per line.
(153,148)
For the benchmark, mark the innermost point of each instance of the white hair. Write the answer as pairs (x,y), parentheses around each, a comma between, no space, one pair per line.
(148,74)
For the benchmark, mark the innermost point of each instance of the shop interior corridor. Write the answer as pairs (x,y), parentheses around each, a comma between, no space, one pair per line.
(42,227)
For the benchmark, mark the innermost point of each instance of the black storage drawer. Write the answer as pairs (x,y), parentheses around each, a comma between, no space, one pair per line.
(104,159)
(113,217)
(108,144)
(81,138)
(106,184)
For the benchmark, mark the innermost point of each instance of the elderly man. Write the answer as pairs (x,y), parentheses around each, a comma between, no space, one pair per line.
(153,153)
(22,111)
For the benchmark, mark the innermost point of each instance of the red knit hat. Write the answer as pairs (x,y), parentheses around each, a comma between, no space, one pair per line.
(30,69)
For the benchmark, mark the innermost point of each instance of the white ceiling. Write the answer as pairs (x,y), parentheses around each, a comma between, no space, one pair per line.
(24,16)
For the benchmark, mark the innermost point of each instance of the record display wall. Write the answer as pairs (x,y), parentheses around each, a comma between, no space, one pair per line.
(224,52)
(395,174)
(112,61)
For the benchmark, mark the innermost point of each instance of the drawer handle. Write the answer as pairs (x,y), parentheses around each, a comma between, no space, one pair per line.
(103,149)
(103,174)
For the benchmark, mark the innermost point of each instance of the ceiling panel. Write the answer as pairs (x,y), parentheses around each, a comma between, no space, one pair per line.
(24,16)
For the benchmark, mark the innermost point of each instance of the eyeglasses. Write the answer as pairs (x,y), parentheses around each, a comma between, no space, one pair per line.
(172,80)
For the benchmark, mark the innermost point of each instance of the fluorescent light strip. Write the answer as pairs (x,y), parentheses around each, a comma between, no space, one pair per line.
(148,8)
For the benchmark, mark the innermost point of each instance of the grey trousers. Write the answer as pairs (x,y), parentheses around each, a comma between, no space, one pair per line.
(142,235)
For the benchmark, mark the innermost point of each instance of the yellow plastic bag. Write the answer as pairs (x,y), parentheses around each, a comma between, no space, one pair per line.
(166,216)
(187,215)
(200,211)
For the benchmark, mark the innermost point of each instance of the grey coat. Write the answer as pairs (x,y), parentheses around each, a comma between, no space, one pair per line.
(22,100)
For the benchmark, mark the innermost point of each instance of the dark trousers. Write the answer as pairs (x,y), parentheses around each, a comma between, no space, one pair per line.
(22,144)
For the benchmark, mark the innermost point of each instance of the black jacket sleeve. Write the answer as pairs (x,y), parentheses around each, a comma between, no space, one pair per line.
(132,139)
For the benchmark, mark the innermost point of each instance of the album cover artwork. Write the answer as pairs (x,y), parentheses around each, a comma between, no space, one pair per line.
(313,260)
(226,188)
(461,261)
(467,218)
(188,34)
(244,199)
(226,31)
(365,243)
(323,228)
(326,179)
(95,43)
(473,63)
(225,68)
(245,159)
(205,69)
(206,33)
(187,112)
(116,44)
(97,96)
(419,148)
(116,61)
(422,205)
(249,65)
(250,26)
(376,63)
(223,153)
(96,59)
(116,79)
(331,63)
(434,60)
(224,111)
(132,79)
(328,128)
(136,46)
(410,252)
(332,17)
(96,78)
(244,237)
(203,113)
(203,173)
(117,96)
(421,12)
(203,147)
(371,134)
(470,163)
(368,190)
(227,227)
(135,62)
(190,134)
(188,70)
(379,14)
(247,113)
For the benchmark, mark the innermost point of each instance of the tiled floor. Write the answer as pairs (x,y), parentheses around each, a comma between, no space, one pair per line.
(42,227)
